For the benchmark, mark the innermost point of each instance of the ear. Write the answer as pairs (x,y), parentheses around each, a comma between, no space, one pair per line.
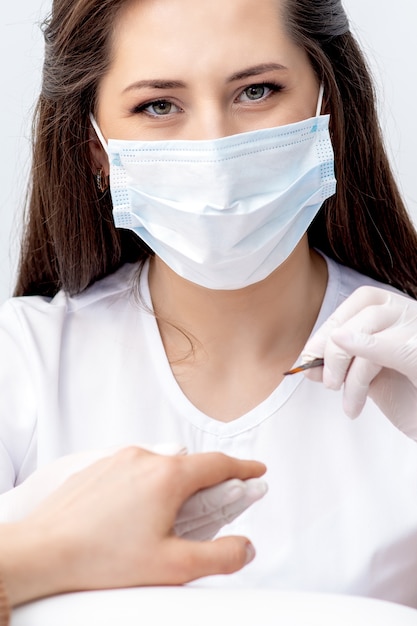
(99,158)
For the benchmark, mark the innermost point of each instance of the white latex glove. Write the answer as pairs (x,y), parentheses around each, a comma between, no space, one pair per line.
(200,518)
(205,513)
(369,346)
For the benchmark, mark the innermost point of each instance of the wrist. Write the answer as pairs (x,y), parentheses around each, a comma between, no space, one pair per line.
(5,607)
(29,566)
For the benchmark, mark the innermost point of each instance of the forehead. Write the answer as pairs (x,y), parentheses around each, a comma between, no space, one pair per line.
(173,13)
(193,33)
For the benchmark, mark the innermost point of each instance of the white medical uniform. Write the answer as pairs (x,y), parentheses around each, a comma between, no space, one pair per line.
(90,372)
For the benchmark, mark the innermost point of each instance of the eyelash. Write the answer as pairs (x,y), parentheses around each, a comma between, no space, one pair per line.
(273,89)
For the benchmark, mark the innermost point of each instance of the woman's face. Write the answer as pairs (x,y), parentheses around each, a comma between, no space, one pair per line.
(187,69)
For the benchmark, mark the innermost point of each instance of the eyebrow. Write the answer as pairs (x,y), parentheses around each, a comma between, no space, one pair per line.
(178,84)
(256,70)
(155,84)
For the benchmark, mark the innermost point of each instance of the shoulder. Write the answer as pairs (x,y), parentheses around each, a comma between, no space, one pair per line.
(30,322)
(111,286)
(343,280)
(116,285)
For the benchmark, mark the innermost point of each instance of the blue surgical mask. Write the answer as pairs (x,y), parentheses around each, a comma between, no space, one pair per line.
(223,213)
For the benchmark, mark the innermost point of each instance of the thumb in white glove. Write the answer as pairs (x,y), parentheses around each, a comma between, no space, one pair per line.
(369,346)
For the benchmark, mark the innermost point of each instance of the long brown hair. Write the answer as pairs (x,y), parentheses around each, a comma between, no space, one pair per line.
(70,239)
(365,225)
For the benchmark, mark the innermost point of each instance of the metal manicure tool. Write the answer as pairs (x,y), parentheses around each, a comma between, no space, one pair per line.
(305,366)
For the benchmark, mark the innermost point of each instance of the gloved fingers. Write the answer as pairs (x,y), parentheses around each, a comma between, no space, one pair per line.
(394,348)
(315,348)
(206,501)
(357,385)
(356,303)
(335,340)
(219,497)
(315,373)
(337,359)
(255,489)
(216,506)
(206,527)
(336,365)
(206,532)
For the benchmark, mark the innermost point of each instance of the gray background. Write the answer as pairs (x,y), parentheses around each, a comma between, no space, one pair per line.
(385,29)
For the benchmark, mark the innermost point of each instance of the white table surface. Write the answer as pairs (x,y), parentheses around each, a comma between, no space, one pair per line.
(210,607)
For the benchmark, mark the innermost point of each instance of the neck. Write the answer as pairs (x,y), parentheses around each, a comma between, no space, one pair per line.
(272,318)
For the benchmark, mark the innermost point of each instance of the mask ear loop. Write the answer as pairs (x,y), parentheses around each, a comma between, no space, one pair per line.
(320,100)
(99,133)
